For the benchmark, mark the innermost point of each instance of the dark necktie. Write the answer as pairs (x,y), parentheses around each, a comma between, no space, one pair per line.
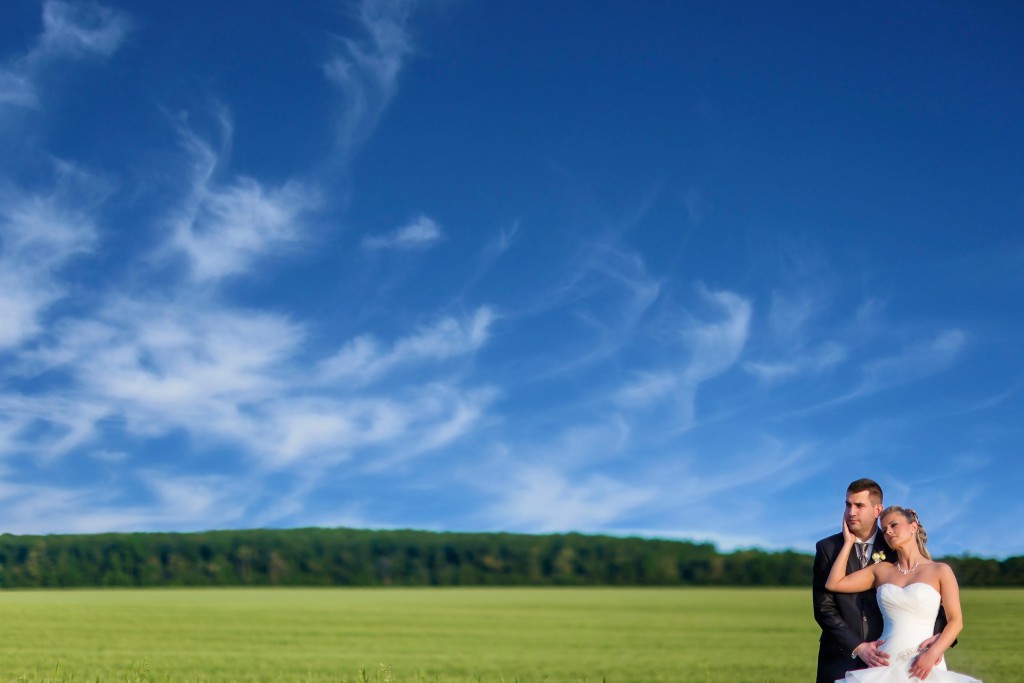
(862,554)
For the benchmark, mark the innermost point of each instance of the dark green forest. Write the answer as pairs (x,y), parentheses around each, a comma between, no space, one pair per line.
(350,557)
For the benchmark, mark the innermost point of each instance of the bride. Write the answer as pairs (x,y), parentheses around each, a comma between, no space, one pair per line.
(909,595)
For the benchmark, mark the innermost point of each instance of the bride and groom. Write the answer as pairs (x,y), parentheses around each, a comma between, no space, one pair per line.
(887,611)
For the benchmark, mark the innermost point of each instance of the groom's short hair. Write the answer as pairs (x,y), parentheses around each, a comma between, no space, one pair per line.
(869,485)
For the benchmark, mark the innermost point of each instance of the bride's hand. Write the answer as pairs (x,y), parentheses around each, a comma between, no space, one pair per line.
(927,644)
(923,664)
(848,536)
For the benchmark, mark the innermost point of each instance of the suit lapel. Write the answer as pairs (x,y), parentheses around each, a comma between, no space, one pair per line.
(852,563)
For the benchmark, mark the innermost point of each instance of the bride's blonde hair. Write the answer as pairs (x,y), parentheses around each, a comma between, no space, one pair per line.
(912,518)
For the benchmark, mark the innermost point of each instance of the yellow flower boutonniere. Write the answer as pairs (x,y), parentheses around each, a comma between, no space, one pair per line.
(878,557)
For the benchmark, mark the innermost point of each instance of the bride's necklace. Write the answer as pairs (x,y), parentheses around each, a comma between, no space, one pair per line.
(906,572)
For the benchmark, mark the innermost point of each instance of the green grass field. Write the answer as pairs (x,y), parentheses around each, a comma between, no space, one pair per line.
(450,635)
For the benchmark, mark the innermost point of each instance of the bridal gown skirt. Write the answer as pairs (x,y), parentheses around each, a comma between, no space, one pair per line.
(909,614)
(900,673)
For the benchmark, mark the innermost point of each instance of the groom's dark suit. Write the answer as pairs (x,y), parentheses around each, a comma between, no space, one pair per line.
(846,619)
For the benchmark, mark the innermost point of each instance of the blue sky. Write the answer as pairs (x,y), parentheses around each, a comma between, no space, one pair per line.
(673,269)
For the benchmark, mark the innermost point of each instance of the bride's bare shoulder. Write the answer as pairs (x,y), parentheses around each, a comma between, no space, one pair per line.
(941,569)
(883,568)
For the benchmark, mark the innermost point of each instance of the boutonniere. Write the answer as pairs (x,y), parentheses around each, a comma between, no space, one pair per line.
(878,557)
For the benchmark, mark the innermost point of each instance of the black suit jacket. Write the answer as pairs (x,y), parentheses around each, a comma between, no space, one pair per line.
(846,619)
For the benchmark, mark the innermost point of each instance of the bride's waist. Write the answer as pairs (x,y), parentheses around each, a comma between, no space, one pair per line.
(903,647)
(907,636)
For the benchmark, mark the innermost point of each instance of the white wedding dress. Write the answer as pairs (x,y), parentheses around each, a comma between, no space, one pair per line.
(909,616)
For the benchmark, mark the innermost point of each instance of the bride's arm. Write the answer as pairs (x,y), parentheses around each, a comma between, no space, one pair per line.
(838,580)
(950,592)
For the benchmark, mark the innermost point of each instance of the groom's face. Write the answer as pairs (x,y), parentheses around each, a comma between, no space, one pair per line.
(862,513)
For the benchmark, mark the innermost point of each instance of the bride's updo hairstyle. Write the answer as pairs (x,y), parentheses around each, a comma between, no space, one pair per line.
(912,518)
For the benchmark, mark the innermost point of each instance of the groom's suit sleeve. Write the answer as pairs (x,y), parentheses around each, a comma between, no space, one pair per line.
(940,623)
(826,612)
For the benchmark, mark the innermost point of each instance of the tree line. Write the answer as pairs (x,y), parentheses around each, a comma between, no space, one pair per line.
(352,557)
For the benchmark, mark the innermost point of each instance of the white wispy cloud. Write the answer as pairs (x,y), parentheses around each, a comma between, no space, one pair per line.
(366,70)
(16,89)
(997,400)
(440,413)
(696,202)
(224,229)
(298,428)
(577,446)
(608,289)
(912,363)
(381,429)
(915,361)
(81,28)
(233,226)
(189,500)
(770,464)
(179,357)
(790,312)
(790,348)
(731,487)
(713,346)
(39,234)
(363,359)
(186,360)
(172,502)
(501,243)
(45,427)
(45,226)
(464,414)
(489,256)
(813,360)
(556,481)
(70,31)
(614,279)
(12,428)
(39,509)
(722,540)
(157,366)
(231,376)
(647,388)
(541,499)
(108,456)
(418,234)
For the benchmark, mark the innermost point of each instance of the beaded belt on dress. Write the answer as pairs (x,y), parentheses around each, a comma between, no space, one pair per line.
(904,655)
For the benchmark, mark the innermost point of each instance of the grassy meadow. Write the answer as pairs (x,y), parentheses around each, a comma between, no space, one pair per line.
(453,635)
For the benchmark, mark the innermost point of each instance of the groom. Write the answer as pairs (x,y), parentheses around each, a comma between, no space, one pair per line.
(851,623)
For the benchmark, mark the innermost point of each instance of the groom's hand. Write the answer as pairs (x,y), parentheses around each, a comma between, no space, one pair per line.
(871,655)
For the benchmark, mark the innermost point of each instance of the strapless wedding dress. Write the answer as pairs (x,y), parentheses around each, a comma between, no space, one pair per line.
(909,616)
